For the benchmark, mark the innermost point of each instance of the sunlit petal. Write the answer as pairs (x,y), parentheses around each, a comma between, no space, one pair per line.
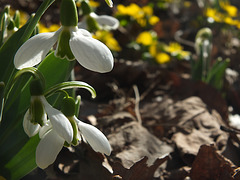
(33,51)
(94,137)
(91,53)
(30,128)
(106,22)
(48,149)
(59,122)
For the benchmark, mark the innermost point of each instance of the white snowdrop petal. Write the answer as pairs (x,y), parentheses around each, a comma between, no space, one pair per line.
(91,53)
(96,139)
(34,50)
(107,22)
(59,122)
(48,149)
(45,129)
(83,32)
(30,128)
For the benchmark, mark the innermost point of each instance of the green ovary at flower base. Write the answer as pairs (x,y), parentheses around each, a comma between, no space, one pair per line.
(72,43)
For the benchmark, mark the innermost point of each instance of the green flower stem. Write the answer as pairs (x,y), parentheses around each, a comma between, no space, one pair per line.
(69,85)
(32,71)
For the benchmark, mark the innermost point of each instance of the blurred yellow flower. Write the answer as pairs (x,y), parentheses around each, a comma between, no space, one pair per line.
(94,4)
(132,10)
(230,21)
(52,28)
(107,38)
(147,10)
(173,47)
(162,58)
(231,10)
(153,20)
(153,49)
(142,15)
(145,38)
(214,14)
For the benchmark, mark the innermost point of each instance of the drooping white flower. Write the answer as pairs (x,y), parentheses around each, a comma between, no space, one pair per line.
(59,122)
(53,133)
(96,139)
(89,52)
(105,22)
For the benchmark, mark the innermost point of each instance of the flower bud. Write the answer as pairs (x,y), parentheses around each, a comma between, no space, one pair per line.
(86,9)
(16,19)
(68,107)
(68,13)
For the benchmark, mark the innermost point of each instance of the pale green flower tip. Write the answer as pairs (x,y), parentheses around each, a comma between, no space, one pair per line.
(109,3)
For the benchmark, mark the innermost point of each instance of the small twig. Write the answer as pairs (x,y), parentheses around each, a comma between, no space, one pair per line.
(137,100)
(230,130)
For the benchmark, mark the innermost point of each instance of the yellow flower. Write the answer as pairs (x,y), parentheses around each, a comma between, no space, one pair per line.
(153,20)
(52,28)
(231,10)
(230,21)
(173,47)
(147,10)
(153,49)
(214,14)
(145,38)
(162,58)
(108,39)
(94,4)
(132,10)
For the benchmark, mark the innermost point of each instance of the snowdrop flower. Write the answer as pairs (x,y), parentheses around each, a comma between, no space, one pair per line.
(95,138)
(72,43)
(53,133)
(103,21)
(91,134)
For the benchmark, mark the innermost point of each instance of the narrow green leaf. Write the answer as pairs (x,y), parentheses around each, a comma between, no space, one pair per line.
(23,162)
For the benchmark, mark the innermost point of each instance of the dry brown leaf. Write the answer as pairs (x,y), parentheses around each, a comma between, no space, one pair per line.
(139,171)
(209,164)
